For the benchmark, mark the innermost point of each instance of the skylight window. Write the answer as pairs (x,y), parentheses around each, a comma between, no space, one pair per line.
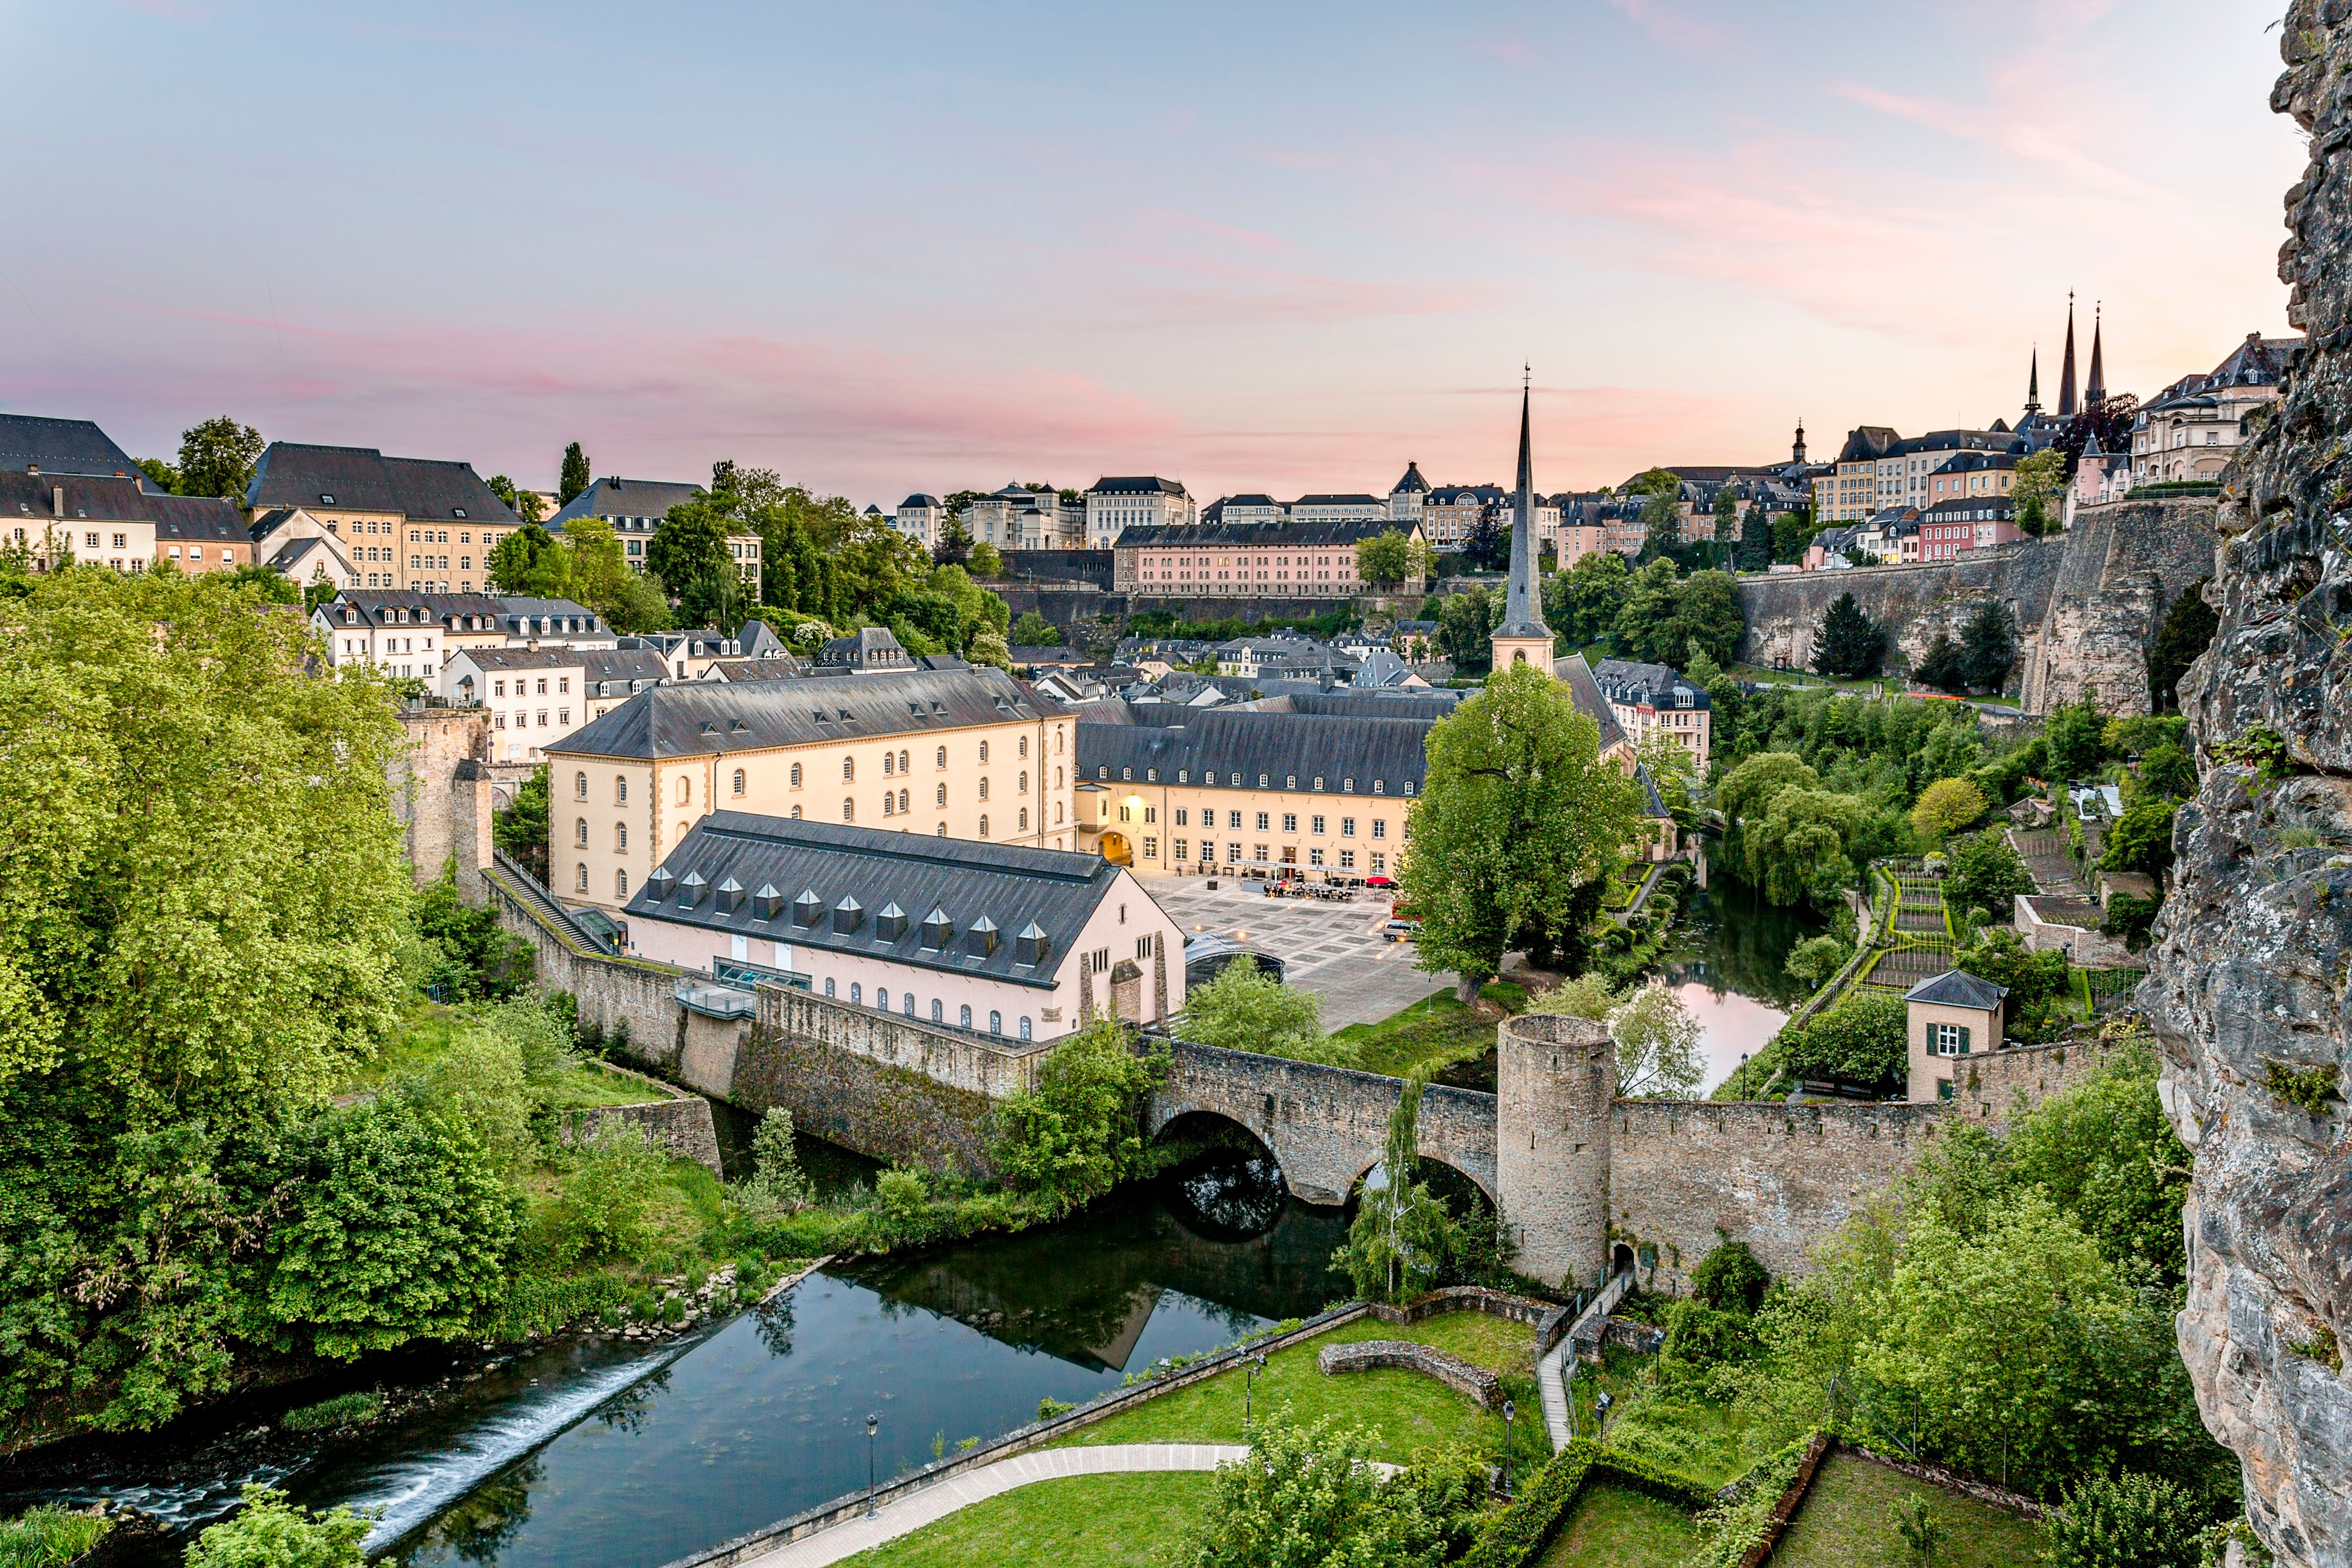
(457,511)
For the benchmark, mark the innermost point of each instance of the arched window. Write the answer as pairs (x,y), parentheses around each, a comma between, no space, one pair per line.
(943,757)
(902,763)
(1058,743)
(849,809)
(882,997)
(1024,1026)
(1023,787)
(889,803)
(1024,818)
(620,838)
(964,1016)
(685,790)
(983,786)
(1025,745)
(619,790)
(902,802)
(984,825)
(620,885)
(943,794)
(1057,813)
(582,838)
(938,1010)
(889,764)
(856,995)
(828,985)
(739,780)
(983,751)
(848,769)
(1057,777)
(580,787)
(796,775)
(910,1008)
(996,1021)
(680,834)
(797,813)
(582,886)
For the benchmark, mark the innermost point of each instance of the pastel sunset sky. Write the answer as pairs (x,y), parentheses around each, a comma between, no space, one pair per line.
(888,246)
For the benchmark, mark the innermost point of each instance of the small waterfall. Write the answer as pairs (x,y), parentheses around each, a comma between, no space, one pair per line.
(406,1494)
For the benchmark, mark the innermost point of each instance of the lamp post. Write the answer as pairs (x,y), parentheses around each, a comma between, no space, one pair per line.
(1600,1416)
(1743,1075)
(1507,1412)
(873,1425)
(1249,1389)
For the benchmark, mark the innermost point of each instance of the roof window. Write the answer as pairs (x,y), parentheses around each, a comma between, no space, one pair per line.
(457,511)
(329,500)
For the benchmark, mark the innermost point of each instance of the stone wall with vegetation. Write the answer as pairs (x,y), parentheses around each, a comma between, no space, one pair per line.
(2252,962)
(1914,603)
(2125,565)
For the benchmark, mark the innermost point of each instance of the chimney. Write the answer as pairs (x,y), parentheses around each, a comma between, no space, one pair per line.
(56,500)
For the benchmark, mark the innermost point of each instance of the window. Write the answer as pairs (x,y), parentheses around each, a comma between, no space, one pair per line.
(983,789)
(1949,1039)
(1025,819)
(1379,861)
(856,995)
(739,780)
(796,775)
(1151,849)
(882,997)
(1379,827)
(964,1016)
(1024,1025)
(849,809)
(685,791)
(1232,853)
(1183,817)
(1347,860)
(943,757)
(582,886)
(621,838)
(943,795)
(1024,785)
(1290,822)
(849,770)
(983,826)
(909,1004)
(828,985)
(620,885)
(1233,820)
(1346,827)
(619,790)
(583,839)
(902,802)
(939,1009)
(1315,857)
(887,802)
(996,1021)
(1316,822)
(983,751)
(1183,848)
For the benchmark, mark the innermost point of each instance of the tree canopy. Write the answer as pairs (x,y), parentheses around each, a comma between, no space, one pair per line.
(216,459)
(1850,643)
(530,563)
(576,478)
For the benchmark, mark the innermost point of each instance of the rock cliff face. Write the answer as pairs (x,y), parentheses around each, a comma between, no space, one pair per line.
(2248,987)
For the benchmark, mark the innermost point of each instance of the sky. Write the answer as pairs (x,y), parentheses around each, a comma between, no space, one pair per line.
(892,246)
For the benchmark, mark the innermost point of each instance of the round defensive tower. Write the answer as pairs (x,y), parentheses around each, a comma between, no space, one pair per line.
(1554,1081)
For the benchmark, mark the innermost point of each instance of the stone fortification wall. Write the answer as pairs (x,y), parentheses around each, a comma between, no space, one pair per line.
(1914,603)
(2247,983)
(679,1122)
(2123,567)
(1554,1077)
(1999,1085)
(441,793)
(1687,1173)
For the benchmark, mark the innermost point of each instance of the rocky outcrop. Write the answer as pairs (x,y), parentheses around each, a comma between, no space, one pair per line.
(2123,566)
(1783,613)
(2248,987)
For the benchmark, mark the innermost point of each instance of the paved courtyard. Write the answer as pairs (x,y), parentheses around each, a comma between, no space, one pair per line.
(1333,949)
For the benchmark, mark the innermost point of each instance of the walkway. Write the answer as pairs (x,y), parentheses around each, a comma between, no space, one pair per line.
(915,1509)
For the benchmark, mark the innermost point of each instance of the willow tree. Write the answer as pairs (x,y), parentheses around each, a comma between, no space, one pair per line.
(1518,812)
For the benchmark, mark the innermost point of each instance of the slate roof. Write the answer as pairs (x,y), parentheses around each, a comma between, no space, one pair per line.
(441,609)
(1656,685)
(64,446)
(622,664)
(1977,463)
(1412,480)
(364,479)
(524,617)
(1970,508)
(1366,501)
(1585,692)
(919,499)
(29,498)
(198,519)
(616,497)
(700,718)
(1957,988)
(1290,533)
(736,672)
(1190,746)
(860,875)
(1135,484)
(1867,443)
(491,659)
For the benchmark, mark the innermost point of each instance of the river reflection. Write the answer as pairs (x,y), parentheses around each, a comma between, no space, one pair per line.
(767,1415)
(1729,970)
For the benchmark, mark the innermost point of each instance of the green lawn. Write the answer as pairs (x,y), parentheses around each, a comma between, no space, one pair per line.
(425,1036)
(1623,1529)
(1411,1411)
(1434,1033)
(1085,1521)
(1844,1523)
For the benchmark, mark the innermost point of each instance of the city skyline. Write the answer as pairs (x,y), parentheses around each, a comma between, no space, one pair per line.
(1249,252)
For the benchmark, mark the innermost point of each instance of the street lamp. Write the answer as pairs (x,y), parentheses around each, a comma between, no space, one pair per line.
(1600,1416)
(873,1424)
(1249,1388)
(1507,1412)
(1743,1075)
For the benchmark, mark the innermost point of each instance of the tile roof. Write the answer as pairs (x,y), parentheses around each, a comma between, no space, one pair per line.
(1957,988)
(767,877)
(616,497)
(702,718)
(364,479)
(64,446)
(1212,747)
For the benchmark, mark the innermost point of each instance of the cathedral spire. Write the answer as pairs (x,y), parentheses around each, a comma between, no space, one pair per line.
(2067,409)
(1523,637)
(2095,389)
(2034,382)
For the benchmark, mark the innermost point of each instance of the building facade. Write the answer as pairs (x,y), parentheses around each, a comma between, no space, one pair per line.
(636,508)
(2188,430)
(1286,560)
(1114,505)
(418,524)
(1653,700)
(117,523)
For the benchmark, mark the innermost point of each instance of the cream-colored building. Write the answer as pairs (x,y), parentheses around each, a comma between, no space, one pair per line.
(1953,1017)
(419,525)
(1116,504)
(967,754)
(1655,700)
(2190,429)
(1258,560)
(299,548)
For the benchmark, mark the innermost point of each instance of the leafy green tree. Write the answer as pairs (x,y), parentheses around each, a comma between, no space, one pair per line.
(164,477)
(270,587)
(529,564)
(1944,806)
(1730,1279)
(1814,960)
(206,918)
(1078,1133)
(2107,1155)
(216,459)
(2075,735)
(953,547)
(1657,1040)
(1645,625)
(1988,647)
(1243,1008)
(2187,631)
(1034,631)
(639,607)
(1488,544)
(2129,1520)
(1465,621)
(1518,809)
(1850,643)
(1802,847)
(689,546)
(1862,1040)
(574,478)
(604,1203)
(984,561)
(2036,488)
(524,504)
(1583,602)
(269,1532)
(2130,917)
(466,953)
(1755,539)
(1310,1497)
(1942,666)
(595,573)
(521,828)
(2141,840)
(1385,559)
(1981,871)
(1403,1239)
(1792,534)
(2164,770)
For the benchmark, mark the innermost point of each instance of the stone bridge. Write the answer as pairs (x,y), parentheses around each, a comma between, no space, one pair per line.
(1326,1126)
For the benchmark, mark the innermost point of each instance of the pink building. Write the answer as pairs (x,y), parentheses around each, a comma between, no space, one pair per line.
(1966,523)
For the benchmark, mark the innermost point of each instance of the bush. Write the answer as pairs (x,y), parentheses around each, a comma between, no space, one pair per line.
(1072,1138)
(469,954)
(1944,806)
(1817,960)
(1863,1040)
(2129,1520)
(1310,1495)
(342,1410)
(49,1536)
(270,1532)
(600,1208)
(1730,1279)
(1699,1338)
(1983,873)
(2141,840)
(2130,917)
(1243,1009)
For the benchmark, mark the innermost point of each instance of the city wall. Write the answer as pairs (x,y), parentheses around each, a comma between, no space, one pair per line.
(1913,603)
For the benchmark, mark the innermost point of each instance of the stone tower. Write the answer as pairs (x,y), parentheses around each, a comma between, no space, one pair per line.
(1523,637)
(1554,1081)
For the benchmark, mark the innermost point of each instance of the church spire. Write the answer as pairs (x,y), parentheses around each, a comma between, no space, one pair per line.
(2067,409)
(2034,382)
(1523,637)
(2095,389)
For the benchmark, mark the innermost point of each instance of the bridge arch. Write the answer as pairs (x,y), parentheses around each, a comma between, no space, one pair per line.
(1446,1178)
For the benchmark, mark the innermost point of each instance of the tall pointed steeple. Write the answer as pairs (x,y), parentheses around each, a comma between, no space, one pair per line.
(2034,382)
(2067,409)
(2095,389)
(1523,637)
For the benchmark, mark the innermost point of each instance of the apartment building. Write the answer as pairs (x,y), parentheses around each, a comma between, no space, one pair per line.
(1878,468)
(298,546)
(197,535)
(1654,699)
(1973,475)
(1114,505)
(116,523)
(1289,559)
(1249,508)
(1951,528)
(920,518)
(967,754)
(2190,429)
(414,524)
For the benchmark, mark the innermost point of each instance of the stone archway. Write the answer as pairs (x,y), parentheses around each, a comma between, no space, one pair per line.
(1116,849)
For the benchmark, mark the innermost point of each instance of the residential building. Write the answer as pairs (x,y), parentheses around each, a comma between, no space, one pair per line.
(534,621)
(870,650)
(2190,429)
(1970,473)
(1247,657)
(415,524)
(636,508)
(1450,513)
(114,522)
(1652,699)
(1951,1017)
(1288,560)
(1114,505)
(1963,523)
(610,676)
(398,632)
(1878,468)
(2100,476)
(688,655)
(920,518)
(30,444)
(1016,518)
(1337,508)
(983,938)
(304,550)
(1850,490)
(200,534)
(1414,639)
(1408,495)
(1250,508)
(967,753)
(535,696)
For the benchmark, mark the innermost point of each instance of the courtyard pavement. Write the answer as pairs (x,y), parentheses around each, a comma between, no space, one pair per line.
(1333,949)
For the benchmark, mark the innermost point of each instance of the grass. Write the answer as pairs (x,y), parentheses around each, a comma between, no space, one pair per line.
(47,1535)
(1411,1410)
(1844,1523)
(1084,1521)
(425,1036)
(1623,1528)
(342,1410)
(1434,1033)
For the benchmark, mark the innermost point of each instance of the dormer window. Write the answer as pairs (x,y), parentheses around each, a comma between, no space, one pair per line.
(457,511)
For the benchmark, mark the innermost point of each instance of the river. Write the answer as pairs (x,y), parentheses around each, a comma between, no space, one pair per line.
(598,1454)
(1727,969)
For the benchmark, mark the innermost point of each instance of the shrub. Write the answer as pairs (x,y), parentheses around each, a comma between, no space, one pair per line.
(342,1410)
(2130,917)
(1310,1495)
(49,1536)
(1984,872)
(1946,806)
(1817,960)
(1243,1009)
(2127,1521)
(1699,1337)
(1863,1040)
(902,1196)
(1072,1138)
(605,1195)
(1730,1279)
(270,1532)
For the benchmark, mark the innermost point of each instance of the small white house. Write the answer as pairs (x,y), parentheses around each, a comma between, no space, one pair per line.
(995,938)
(536,697)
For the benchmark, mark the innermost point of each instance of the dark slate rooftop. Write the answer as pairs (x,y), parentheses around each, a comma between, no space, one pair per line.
(700,718)
(1656,685)
(1135,484)
(364,479)
(29,498)
(1585,691)
(402,607)
(616,497)
(1171,744)
(1957,988)
(874,894)
(29,441)
(622,664)
(199,519)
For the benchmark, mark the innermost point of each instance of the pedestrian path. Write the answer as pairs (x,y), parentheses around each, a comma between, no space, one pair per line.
(1551,1386)
(910,1512)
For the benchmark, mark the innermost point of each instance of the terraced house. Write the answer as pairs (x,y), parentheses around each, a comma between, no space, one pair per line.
(967,753)
(418,524)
